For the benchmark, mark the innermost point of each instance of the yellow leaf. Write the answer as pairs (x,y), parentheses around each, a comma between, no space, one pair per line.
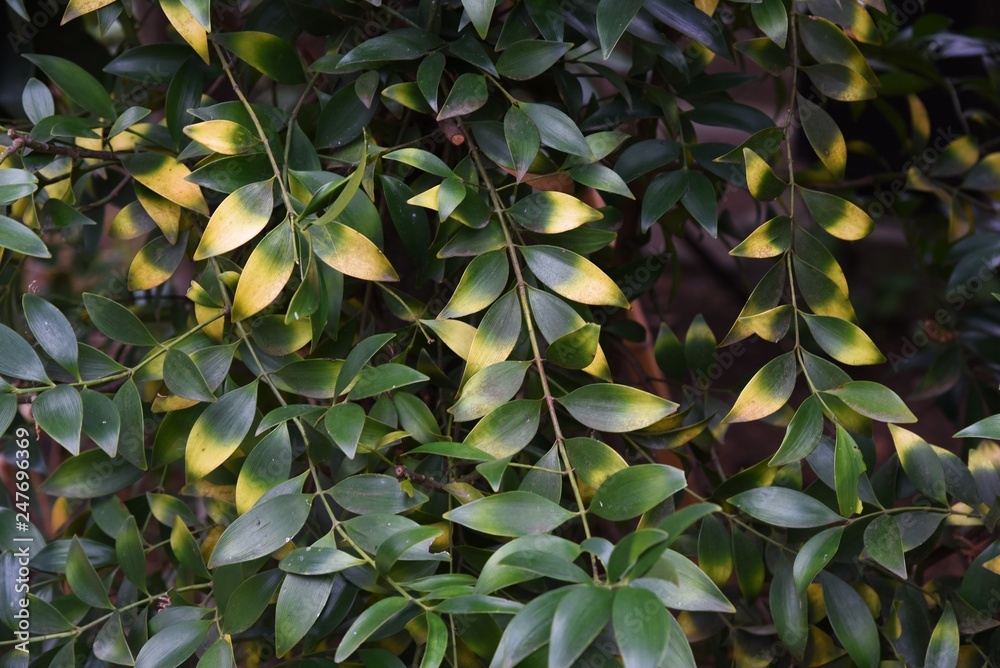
(187,26)
(240,217)
(266,272)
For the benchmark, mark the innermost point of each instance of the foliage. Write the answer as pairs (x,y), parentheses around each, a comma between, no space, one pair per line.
(352,400)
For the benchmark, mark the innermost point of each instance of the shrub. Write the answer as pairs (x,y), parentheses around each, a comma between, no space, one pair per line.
(362,395)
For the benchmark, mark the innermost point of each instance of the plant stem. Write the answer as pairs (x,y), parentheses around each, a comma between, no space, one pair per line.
(80,629)
(260,129)
(522,291)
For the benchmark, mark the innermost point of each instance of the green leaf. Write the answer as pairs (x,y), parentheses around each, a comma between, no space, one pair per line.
(789,610)
(768,390)
(318,560)
(467,94)
(691,21)
(772,19)
(37,101)
(944,647)
(372,493)
(219,431)
(83,579)
(497,334)
(128,118)
(156,262)
(615,408)
(813,557)
(578,618)
(429,77)
(394,547)
(530,629)
(557,130)
(187,551)
(764,184)
(552,212)
(249,600)
(843,341)
(89,475)
(268,464)
(422,160)
(110,644)
(129,553)
(510,514)
(300,602)
(848,466)
(483,281)
(784,508)
(507,429)
(715,554)
(985,428)
(384,378)
(523,140)
(802,435)
(573,276)
(600,177)
(840,82)
(824,136)
(851,621)
(344,422)
(78,84)
(635,490)
(985,176)
(575,350)
(173,645)
(920,463)
(266,272)
(59,412)
(184,378)
(267,53)
(613,17)
(237,220)
(359,356)
(219,655)
(368,622)
(15,184)
(489,389)
(480,13)
(19,238)
(437,642)
(351,253)
(101,421)
(828,44)
(769,240)
(836,215)
(262,530)
(884,544)
(19,359)
(635,553)
(681,585)
(398,45)
(116,321)
(529,58)
(700,201)
(52,331)
(874,400)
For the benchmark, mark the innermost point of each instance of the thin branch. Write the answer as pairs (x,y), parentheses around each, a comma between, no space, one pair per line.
(23,141)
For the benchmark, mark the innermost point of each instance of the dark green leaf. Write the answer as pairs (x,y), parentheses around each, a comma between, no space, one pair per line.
(784,508)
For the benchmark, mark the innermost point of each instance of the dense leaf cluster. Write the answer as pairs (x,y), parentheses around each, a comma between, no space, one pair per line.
(344,379)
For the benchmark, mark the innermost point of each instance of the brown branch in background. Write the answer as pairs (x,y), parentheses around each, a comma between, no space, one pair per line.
(21,141)
(403,473)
